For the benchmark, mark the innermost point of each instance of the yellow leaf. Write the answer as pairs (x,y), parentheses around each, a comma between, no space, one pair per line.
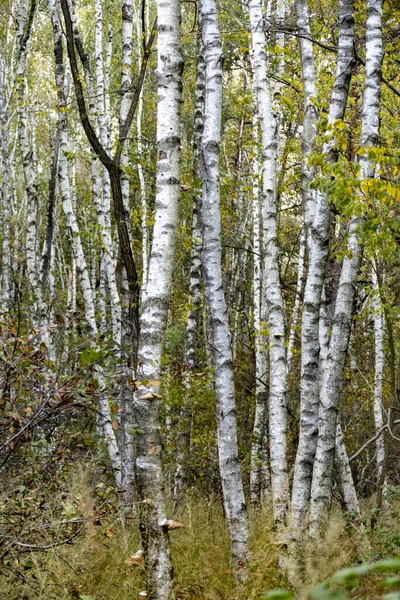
(109,533)
(152,450)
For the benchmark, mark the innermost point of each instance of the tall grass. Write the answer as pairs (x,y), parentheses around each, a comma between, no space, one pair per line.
(94,566)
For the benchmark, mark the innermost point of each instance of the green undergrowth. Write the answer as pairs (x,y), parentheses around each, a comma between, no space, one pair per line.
(92,566)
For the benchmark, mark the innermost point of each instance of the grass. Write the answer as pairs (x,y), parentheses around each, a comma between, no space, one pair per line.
(94,564)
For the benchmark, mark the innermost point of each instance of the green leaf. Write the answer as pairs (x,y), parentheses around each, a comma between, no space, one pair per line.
(322,592)
(277,594)
(390,581)
(350,576)
(86,597)
(391,564)
(391,596)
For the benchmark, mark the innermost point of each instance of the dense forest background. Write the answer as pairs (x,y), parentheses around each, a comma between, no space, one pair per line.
(199,301)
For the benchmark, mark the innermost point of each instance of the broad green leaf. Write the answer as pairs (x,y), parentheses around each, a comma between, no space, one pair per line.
(350,576)
(391,581)
(391,564)
(277,594)
(321,592)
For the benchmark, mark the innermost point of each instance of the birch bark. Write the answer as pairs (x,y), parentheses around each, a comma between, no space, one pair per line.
(379,363)
(126,439)
(195,295)
(332,381)
(24,21)
(231,479)
(317,220)
(6,192)
(271,280)
(72,224)
(103,212)
(259,469)
(149,476)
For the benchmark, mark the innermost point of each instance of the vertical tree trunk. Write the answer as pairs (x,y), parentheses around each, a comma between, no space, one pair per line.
(296,307)
(317,220)
(24,21)
(126,439)
(271,279)
(149,475)
(379,363)
(259,468)
(72,224)
(195,295)
(232,488)
(6,192)
(332,381)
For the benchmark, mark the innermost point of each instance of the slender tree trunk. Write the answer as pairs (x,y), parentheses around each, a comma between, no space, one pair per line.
(259,468)
(271,279)
(72,224)
(317,220)
(6,192)
(149,475)
(332,381)
(192,327)
(126,439)
(379,363)
(24,23)
(296,307)
(232,488)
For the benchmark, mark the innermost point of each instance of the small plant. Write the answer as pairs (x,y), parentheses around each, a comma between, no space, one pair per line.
(348,578)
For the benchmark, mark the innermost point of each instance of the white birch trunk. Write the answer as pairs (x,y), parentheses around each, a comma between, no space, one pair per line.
(6,193)
(72,224)
(126,439)
(104,215)
(142,181)
(344,477)
(296,307)
(259,468)
(317,220)
(271,279)
(190,358)
(332,381)
(379,363)
(149,475)
(231,479)
(24,22)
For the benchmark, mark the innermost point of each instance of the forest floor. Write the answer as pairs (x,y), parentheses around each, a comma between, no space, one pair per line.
(95,564)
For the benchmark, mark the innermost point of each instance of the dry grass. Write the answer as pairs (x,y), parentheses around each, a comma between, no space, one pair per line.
(94,565)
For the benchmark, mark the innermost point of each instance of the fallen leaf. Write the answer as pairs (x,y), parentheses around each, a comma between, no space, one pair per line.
(115,425)
(150,396)
(170,524)
(135,559)
(109,533)
(152,450)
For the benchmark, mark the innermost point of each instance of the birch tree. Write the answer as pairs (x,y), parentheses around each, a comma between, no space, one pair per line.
(149,475)
(259,468)
(332,381)
(24,22)
(317,220)
(195,294)
(74,233)
(271,279)
(6,190)
(229,467)
(379,363)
